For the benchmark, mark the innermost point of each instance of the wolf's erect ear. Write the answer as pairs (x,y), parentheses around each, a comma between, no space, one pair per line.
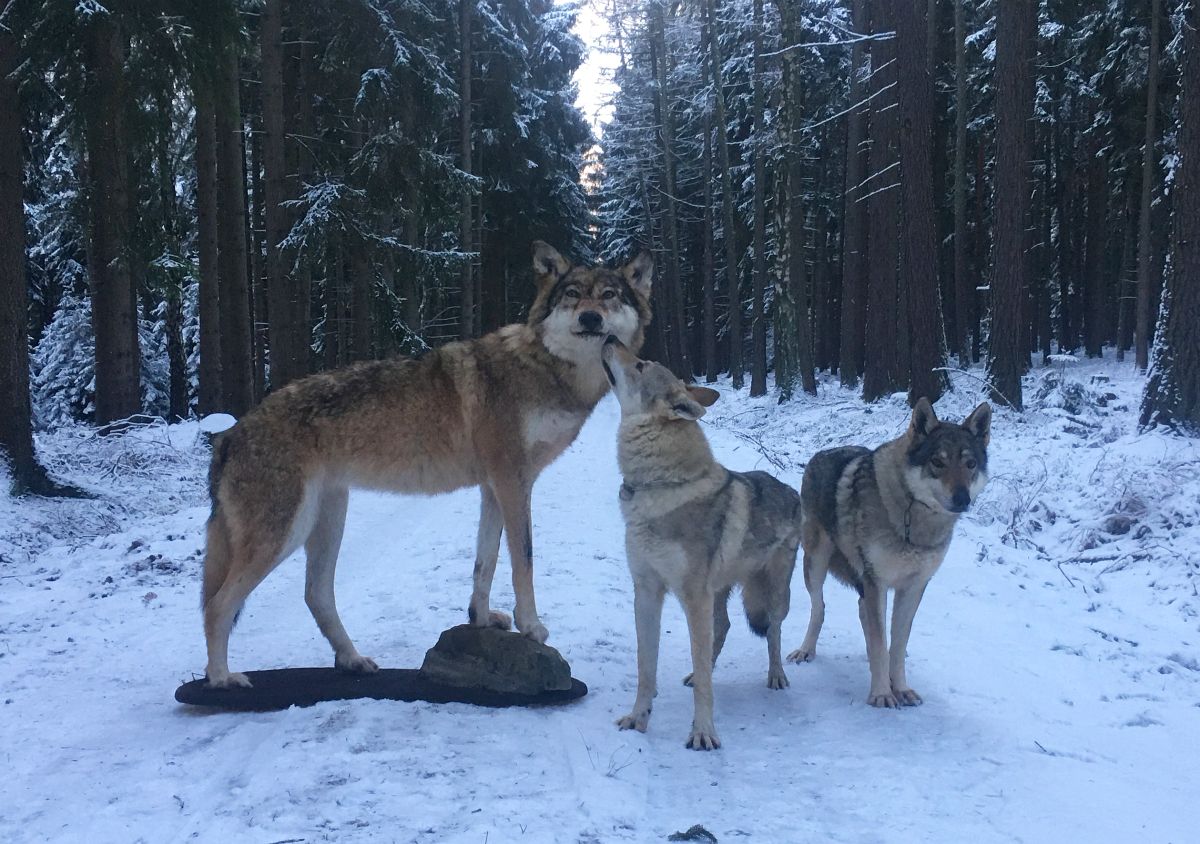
(548,265)
(640,273)
(923,419)
(979,422)
(687,408)
(703,395)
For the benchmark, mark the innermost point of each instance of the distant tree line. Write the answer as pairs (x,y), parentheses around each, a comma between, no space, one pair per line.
(879,189)
(203,200)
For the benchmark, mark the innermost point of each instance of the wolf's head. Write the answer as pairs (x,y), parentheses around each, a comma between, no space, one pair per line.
(646,388)
(576,308)
(947,463)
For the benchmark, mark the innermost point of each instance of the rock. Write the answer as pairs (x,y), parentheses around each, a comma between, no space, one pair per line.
(1117,524)
(490,658)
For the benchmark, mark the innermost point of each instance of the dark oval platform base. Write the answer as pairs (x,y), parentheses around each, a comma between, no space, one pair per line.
(285,687)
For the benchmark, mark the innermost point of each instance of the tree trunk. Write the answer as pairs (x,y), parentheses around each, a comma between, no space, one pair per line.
(1094,317)
(1007,354)
(707,276)
(919,226)
(1142,327)
(236,363)
(964,288)
(360,302)
(287,361)
(211,393)
(671,304)
(854,231)
(881,370)
(114,306)
(16,424)
(467,303)
(758,322)
(1172,394)
(728,226)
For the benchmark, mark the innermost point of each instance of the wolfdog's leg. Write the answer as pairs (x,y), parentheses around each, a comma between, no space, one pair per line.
(648,594)
(816,566)
(514,499)
(779,602)
(872,609)
(720,628)
(698,608)
(253,559)
(907,601)
(321,549)
(487,549)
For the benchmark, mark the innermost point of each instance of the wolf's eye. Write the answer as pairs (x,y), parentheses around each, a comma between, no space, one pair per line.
(640,366)
(571,293)
(971,465)
(609,294)
(938,463)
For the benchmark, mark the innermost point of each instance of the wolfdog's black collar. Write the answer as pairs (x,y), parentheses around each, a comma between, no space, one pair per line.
(908,519)
(628,490)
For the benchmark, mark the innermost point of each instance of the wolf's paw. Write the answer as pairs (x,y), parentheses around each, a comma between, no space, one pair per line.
(499,620)
(802,654)
(355,664)
(776,679)
(703,737)
(634,721)
(536,631)
(907,697)
(883,700)
(230,681)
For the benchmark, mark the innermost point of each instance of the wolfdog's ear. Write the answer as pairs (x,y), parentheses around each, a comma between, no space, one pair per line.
(979,422)
(923,419)
(548,265)
(639,273)
(687,408)
(703,395)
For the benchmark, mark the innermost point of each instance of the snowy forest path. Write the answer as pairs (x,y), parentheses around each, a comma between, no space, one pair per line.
(1046,708)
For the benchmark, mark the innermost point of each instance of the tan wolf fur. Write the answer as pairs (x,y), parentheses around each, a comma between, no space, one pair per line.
(883,520)
(695,529)
(492,412)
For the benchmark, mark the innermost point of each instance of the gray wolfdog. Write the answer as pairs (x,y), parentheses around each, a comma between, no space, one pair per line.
(883,520)
(492,413)
(696,529)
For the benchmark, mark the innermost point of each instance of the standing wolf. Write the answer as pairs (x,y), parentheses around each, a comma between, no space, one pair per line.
(492,412)
(883,520)
(694,528)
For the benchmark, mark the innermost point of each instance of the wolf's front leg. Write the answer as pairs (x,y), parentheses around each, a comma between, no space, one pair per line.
(648,595)
(908,599)
(872,609)
(487,549)
(698,608)
(515,501)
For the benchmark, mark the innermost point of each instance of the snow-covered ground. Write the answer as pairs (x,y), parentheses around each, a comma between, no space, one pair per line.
(1057,652)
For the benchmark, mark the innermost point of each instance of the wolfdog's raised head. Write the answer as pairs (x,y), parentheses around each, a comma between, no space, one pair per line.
(644,387)
(578,306)
(947,463)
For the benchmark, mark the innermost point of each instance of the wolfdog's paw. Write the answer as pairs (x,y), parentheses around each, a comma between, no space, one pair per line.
(883,700)
(230,681)
(356,664)
(776,679)
(536,631)
(703,737)
(802,654)
(907,697)
(500,620)
(634,721)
